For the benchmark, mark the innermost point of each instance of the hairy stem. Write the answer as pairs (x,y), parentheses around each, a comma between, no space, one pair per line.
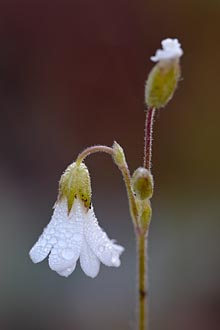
(91,150)
(142,282)
(142,238)
(148,138)
(132,203)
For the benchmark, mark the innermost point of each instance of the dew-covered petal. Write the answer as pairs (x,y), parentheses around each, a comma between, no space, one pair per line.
(69,236)
(67,271)
(48,238)
(90,264)
(104,248)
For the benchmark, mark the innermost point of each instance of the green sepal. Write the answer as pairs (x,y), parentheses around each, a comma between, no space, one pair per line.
(161,83)
(75,183)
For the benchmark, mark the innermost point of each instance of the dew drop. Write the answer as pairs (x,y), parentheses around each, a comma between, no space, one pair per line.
(62,243)
(43,242)
(53,240)
(115,261)
(68,254)
(68,234)
(101,248)
(77,237)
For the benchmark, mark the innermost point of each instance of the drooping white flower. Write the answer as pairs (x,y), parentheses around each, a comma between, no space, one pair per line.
(171,49)
(72,236)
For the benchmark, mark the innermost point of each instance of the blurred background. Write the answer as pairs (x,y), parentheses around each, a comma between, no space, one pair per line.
(72,74)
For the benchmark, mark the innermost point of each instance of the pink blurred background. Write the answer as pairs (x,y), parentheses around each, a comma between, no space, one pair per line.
(72,74)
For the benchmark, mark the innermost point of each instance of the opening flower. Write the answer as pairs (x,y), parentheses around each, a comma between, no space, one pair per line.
(171,49)
(74,234)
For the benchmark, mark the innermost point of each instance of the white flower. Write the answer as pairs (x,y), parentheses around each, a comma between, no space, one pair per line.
(77,235)
(171,49)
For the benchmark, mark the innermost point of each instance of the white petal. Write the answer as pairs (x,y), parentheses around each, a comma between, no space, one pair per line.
(171,48)
(48,238)
(67,271)
(69,235)
(104,248)
(89,262)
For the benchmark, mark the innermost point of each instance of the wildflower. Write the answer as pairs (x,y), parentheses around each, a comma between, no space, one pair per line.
(171,50)
(74,233)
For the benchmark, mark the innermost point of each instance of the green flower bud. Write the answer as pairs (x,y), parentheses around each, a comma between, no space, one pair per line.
(75,183)
(161,83)
(142,183)
(119,156)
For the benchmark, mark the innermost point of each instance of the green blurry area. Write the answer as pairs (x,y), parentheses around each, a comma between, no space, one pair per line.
(72,75)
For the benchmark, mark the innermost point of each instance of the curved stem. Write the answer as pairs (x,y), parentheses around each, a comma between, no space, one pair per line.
(125,173)
(91,150)
(148,138)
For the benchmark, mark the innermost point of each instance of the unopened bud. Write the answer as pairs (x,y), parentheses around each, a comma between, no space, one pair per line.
(75,183)
(119,156)
(142,183)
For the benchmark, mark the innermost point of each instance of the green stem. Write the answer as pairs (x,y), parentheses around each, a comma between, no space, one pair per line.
(91,150)
(132,203)
(142,280)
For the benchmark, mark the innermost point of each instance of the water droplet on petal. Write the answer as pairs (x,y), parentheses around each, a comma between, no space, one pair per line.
(77,237)
(115,261)
(101,248)
(53,240)
(62,243)
(43,242)
(68,254)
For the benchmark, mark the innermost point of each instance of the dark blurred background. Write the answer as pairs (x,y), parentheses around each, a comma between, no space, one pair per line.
(72,74)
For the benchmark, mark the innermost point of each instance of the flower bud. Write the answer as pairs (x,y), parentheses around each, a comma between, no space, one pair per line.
(142,183)
(75,183)
(119,156)
(163,78)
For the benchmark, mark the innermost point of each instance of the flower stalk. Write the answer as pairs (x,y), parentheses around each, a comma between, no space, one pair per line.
(148,139)
(142,282)
(142,242)
(92,150)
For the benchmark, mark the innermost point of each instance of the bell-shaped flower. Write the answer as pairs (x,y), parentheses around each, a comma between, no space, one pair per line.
(73,236)
(74,233)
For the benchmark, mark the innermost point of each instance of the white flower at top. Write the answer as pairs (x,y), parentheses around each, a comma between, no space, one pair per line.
(171,49)
(74,235)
